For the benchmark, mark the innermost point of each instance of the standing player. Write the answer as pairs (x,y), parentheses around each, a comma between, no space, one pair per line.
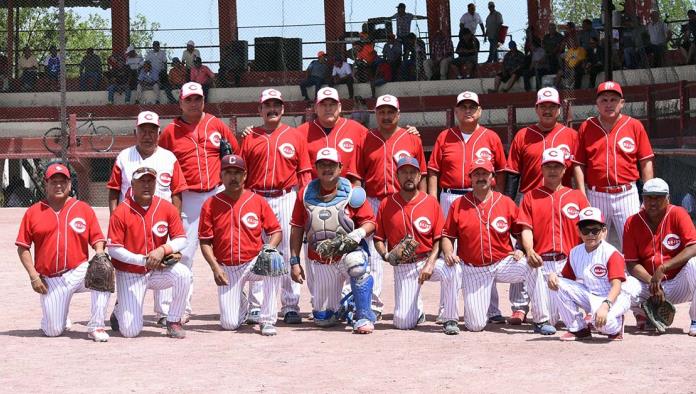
(195,138)
(327,207)
(61,229)
(480,222)
(548,218)
(231,227)
(139,229)
(170,181)
(610,149)
(660,250)
(412,212)
(374,165)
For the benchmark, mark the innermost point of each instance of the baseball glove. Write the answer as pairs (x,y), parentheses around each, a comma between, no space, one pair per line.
(171,259)
(336,247)
(225,148)
(659,313)
(100,274)
(269,262)
(404,251)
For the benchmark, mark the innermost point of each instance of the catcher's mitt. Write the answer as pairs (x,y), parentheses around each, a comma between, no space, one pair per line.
(171,259)
(225,148)
(404,251)
(659,313)
(100,274)
(336,247)
(269,262)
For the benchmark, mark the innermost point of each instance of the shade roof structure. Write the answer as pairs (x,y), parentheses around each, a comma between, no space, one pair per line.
(105,4)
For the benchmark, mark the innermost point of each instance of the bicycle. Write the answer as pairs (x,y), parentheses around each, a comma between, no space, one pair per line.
(101,138)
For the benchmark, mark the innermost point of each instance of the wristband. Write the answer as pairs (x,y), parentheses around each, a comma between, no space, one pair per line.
(294,260)
(36,279)
(608,303)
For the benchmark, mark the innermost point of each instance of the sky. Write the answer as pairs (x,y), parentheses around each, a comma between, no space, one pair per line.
(199,23)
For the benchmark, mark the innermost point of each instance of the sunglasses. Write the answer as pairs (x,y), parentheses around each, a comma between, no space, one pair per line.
(588,230)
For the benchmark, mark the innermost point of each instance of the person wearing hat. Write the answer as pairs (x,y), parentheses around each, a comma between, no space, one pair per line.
(148,79)
(513,69)
(689,201)
(660,251)
(233,226)
(189,54)
(143,229)
(548,222)
(592,279)
(494,22)
(342,73)
(317,75)
(403,21)
(412,212)
(613,152)
(343,211)
(61,228)
(481,223)
(196,138)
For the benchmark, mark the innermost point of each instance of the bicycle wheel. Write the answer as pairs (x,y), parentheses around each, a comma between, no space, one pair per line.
(53,140)
(101,139)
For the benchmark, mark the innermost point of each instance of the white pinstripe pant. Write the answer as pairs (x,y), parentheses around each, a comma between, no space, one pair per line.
(327,282)
(130,295)
(616,208)
(376,264)
(233,302)
(56,303)
(572,295)
(408,305)
(552,296)
(477,283)
(680,289)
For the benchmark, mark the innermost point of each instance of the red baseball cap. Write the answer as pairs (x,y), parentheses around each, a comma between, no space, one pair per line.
(553,155)
(233,161)
(548,95)
(56,168)
(591,214)
(609,86)
(481,163)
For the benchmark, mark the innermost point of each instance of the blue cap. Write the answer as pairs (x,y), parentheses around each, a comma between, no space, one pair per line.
(407,161)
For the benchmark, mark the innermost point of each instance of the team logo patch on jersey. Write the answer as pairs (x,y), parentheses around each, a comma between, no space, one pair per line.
(599,270)
(346,145)
(422,224)
(500,224)
(566,150)
(627,144)
(160,228)
(164,179)
(251,220)
(401,154)
(484,153)
(671,241)
(215,138)
(571,210)
(287,150)
(79,225)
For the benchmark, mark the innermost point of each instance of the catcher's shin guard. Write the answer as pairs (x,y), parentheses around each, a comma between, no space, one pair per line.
(362,295)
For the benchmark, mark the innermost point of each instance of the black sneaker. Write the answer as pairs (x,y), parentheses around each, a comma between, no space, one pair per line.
(114,322)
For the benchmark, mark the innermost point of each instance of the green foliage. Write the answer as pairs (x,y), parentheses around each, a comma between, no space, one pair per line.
(577,10)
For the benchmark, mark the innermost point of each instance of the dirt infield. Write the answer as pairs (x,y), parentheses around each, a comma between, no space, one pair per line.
(307,359)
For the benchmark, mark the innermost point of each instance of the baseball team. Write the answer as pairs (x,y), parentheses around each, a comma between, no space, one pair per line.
(331,202)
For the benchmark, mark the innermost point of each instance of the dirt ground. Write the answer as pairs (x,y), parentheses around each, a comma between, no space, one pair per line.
(305,358)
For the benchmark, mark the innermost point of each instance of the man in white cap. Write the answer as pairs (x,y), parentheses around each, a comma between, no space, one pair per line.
(189,54)
(198,140)
(660,251)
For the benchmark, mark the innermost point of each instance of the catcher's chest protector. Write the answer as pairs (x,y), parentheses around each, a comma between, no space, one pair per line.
(327,218)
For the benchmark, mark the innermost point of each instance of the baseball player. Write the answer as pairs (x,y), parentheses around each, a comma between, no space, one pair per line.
(195,139)
(374,165)
(170,181)
(281,165)
(327,208)
(660,250)
(143,229)
(61,228)
(592,279)
(230,229)
(611,148)
(548,218)
(412,212)
(481,222)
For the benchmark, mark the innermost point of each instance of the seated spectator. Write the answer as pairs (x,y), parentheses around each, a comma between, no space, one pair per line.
(383,74)
(134,62)
(119,79)
(586,33)
(538,67)
(573,65)
(553,46)
(4,72)
(90,71)
(52,67)
(441,56)
(342,73)
(365,57)
(202,74)
(317,73)
(178,75)
(413,58)
(29,70)
(190,53)
(659,35)
(158,59)
(595,61)
(361,113)
(467,52)
(688,45)
(392,53)
(633,44)
(513,68)
(148,79)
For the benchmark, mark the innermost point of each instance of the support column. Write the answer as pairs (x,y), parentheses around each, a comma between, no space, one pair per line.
(334,26)
(120,26)
(545,16)
(640,8)
(10,37)
(533,17)
(438,13)
(227,19)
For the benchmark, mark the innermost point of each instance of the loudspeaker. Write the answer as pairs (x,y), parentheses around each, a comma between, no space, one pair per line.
(235,56)
(277,54)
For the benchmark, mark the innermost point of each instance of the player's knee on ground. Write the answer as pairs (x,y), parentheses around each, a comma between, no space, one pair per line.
(53,329)
(231,322)
(130,330)
(475,324)
(403,322)
(612,326)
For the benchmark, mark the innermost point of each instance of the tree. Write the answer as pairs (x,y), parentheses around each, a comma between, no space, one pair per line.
(577,10)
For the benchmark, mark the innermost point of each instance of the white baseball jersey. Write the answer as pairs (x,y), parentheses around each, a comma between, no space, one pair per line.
(595,269)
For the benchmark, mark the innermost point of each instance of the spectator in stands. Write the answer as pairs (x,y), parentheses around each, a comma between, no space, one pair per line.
(134,62)
(633,43)
(148,79)
(342,73)
(689,202)
(119,79)
(441,56)
(90,71)
(414,56)
(392,53)
(158,60)
(383,74)
(4,72)
(659,35)
(494,21)
(365,57)
(202,74)
(178,75)
(29,69)
(538,67)
(467,55)
(52,67)
(317,73)
(513,68)
(190,53)
(573,65)
(595,61)
(361,113)
(553,46)
(586,33)
(403,24)
(688,32)
(471,20)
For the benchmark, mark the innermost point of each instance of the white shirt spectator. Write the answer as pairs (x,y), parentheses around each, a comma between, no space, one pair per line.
(134,62)
(342,71)
(158,60)
(471,22)
(658,32)
(689,203)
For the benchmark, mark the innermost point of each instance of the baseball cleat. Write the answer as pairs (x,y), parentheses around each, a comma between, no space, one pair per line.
(113,321)
(186,318)
(363,326)
(378,314)
(588,322)
(421,319)
(268,330)
(68,324)
(253,317)
(619,335)
(692,329)
(450,327)
(98,335)
(518,317)
(162,321)
(497,319)
(440,316)
(175,330)
(544,328)
(582,335)
(292,317)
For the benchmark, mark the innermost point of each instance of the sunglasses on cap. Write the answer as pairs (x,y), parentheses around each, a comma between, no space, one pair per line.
(591,229)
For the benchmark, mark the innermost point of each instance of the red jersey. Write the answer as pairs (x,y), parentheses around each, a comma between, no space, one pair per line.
(277,158)
(197,148)
(344,137)
(236,226)
(141,231)
(60,238)
(481,228)
(375,161)
(528,146)
(611,159)
(452,155)
(421,217)
(553,216)
(674,233)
